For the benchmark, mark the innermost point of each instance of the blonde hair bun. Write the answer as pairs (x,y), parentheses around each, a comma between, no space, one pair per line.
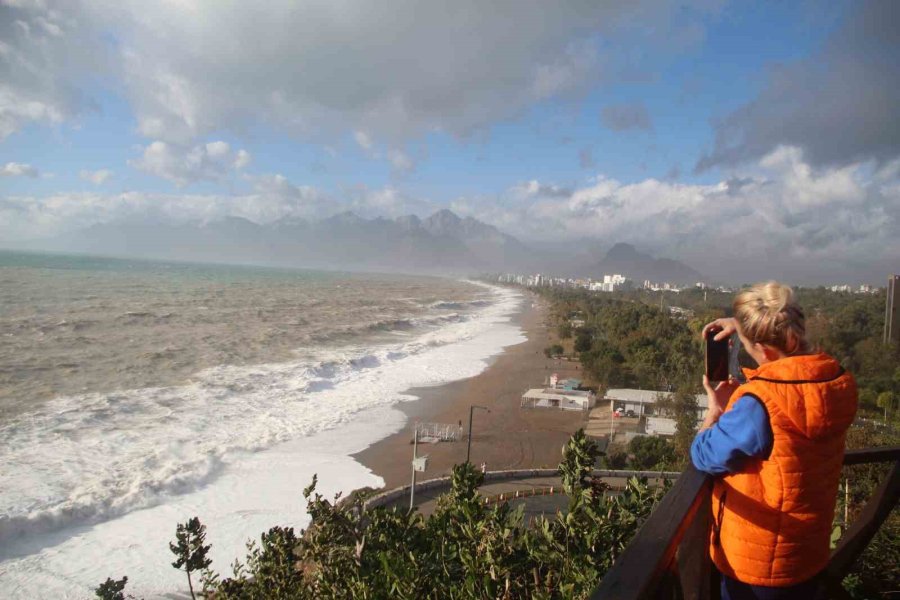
(767,313)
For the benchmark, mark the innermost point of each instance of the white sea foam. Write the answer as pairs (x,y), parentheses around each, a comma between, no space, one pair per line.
(88,477)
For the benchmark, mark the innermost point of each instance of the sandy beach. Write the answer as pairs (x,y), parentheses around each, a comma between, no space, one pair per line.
(508,436)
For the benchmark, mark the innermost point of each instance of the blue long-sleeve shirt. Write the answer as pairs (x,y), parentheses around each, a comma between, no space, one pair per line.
(742,432)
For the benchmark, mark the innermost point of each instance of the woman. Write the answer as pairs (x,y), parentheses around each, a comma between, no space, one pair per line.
(777,442)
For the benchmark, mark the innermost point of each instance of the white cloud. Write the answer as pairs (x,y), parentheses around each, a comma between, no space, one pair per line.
(28,217)
(363,140)
(781,216)
(393,70)
(275,197)
(14,169)
(98,177)
(242,159)
(45,51)
(272,197)
(387,202)
(400,161)
(181,165)
(218,149)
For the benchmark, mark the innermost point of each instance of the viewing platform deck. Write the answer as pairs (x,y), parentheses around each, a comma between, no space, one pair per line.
(669,557)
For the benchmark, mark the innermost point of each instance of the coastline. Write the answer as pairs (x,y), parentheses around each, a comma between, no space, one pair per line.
(507,437)
(358,400)
(247,491)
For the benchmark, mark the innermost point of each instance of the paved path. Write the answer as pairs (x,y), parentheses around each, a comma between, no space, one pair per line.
(535,505)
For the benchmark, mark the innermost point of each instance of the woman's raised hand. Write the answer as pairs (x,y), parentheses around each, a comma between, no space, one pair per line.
(727,325)
(717,399)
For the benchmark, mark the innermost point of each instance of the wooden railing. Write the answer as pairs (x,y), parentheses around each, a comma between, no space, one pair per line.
(669,557)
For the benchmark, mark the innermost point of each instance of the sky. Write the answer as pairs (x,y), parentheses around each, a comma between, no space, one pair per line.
(724,134)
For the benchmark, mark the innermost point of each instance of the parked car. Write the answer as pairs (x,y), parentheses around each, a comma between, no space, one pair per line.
(630,413)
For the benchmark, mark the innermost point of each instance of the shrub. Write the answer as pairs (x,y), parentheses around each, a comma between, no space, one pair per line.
(465,549)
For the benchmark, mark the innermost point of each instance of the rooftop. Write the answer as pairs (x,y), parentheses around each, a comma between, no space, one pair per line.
(640,396)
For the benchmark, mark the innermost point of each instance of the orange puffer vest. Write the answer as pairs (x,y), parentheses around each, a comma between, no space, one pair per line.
(772,520)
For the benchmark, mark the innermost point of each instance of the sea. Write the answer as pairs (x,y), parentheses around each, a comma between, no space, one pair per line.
(137,394)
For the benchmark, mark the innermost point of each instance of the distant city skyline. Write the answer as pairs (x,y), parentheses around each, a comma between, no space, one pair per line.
(743,139)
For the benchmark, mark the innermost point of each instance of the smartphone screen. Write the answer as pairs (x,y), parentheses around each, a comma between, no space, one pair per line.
(716,357)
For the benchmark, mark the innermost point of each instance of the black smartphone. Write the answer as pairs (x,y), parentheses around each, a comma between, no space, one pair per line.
(717,357)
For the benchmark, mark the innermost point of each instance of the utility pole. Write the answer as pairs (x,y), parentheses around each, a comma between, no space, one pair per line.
(846,502)
(472,410)
(612,417)
(412,489)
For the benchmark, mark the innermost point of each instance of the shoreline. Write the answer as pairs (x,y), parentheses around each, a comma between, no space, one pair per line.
(250,490)
(507,437)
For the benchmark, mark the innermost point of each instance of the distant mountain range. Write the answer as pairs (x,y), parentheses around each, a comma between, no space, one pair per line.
(626,260)
(443,243)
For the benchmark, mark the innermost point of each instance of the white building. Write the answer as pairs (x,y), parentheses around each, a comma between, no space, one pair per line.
(643,402)
(610,283)
(560,399)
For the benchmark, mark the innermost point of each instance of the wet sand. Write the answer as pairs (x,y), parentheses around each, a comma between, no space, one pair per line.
(508,437)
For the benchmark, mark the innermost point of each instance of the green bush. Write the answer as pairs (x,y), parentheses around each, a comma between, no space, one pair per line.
(465,549)
(651,453)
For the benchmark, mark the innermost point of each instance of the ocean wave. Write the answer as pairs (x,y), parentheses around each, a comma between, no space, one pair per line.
(85,459)
(400,324)
(94,502)
(459,304)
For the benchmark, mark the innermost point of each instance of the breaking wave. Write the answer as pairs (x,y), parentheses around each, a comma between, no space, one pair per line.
(87,458)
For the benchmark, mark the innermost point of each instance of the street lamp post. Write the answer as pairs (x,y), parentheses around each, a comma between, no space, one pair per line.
(471,410)
(412,488)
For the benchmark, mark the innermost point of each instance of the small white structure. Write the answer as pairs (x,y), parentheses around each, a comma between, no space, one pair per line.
(643,402)
(561,399)
(439,432)
(660,426)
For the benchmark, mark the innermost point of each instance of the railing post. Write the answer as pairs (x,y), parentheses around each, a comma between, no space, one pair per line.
(650,557)
(694,564)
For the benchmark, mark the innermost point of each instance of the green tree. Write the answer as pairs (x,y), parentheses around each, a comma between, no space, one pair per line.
(616,457)
(190,553)
(651,453)
(579,457)
(583,341)
(868,397)
(888,402)
(112,589)
(464,549)
(553,351)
